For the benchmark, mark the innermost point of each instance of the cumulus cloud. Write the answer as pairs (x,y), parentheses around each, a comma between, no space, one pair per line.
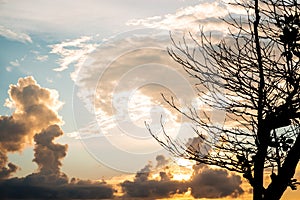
(6,169)
(143,186)
(34,109)
(48,155)
(35,118)
(205,182)
(161,161)
(14,35)
(49,182)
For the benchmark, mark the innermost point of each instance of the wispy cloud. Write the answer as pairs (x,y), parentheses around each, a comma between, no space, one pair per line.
(14,35)
(62,18)
(9,69)
(190,18)
(72,52)
(111,84)
(15,63)
(42,58)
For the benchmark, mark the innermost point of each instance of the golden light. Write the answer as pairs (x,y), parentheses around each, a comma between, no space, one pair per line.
(185,163)
(181,177)
(182,169)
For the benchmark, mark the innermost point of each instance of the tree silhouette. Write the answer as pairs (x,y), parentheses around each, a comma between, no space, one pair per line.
(256,69)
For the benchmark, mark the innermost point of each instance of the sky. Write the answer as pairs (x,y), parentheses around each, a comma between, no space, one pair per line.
(79,79)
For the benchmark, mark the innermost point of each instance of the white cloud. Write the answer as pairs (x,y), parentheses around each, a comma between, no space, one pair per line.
(72,18)
(74,135)
(121,83)
(72,52)
(206,15)
(42,58)
(8,69)
(15,63)
(49,80)
(14,35)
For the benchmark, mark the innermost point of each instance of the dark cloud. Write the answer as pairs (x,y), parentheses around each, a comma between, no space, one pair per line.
(143,174)
(35,108)
(197,144)
(12,133)
(143,186)
(35,118)
(205,182)
(47,154)
(6,169)
(21,188)
(161,161)
(214,183)
(9,142)
(49,182)
(48,157)
(153,188)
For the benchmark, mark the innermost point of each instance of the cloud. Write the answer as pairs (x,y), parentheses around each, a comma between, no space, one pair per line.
(22,188)
(120,85)
(189,19)
(161,161)
(47,154)
(15,63)
(214,183)
(6,169)
(135,64)
(72,51)
(9,69)
(13,35)
(93,16)
(122,80)
(49,182)
(38,57)
(119,65)
(34,109)
(42,58)
(205,182)
(144,187)
(35,117)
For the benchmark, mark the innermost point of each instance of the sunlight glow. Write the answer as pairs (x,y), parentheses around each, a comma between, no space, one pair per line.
(181,177)
(185,163)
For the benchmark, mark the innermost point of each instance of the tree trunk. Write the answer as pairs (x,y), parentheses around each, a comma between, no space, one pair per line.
(280,183)
(258,188)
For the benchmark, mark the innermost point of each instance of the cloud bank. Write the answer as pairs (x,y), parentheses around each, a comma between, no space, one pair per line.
(205,182)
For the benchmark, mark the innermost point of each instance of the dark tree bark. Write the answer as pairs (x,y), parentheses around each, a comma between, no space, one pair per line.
(256,69)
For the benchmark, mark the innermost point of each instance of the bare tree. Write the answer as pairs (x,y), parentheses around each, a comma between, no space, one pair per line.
(256,68)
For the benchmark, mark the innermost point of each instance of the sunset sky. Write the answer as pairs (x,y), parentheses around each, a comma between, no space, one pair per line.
(79,79)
